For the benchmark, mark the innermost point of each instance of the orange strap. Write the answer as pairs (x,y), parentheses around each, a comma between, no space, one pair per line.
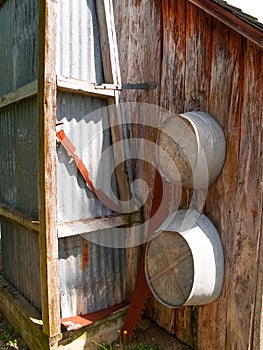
(65,141)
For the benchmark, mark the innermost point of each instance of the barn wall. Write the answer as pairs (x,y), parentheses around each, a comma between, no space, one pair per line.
(18,190)
(78,45)
(18,157)
(18,147)
(20,261)
(18,43)
(92,277)
(199,63)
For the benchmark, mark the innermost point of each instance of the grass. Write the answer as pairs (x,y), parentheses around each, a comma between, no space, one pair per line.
(10,336)
(140,346)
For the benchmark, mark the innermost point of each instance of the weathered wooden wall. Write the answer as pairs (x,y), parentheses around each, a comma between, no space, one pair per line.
(198,62)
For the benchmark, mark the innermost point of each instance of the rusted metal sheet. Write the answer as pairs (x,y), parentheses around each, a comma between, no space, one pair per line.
(92,277)
(18,44)
(78,46)
(20,260)
(18,157)
(76,322)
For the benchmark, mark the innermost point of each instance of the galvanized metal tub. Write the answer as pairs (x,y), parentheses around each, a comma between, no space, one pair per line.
(191,150)
(184,262)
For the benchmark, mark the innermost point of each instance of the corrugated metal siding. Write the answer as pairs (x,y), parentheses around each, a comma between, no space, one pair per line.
(18,157)
(19,190)
(84,123)
(6,47)
(20,261)
(18,44)
(18,146)
(25,41)
(92,277)
(78,52)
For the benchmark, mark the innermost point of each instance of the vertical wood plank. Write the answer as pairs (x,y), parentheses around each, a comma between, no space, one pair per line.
(199,43)
(198,53)
(47,167)
(172,95)
(172,98)
(252,197)
(257,335)
(139,40)
(112,74)
(226,87)
(111,70)
(108,41)
(139,53)
(223,103)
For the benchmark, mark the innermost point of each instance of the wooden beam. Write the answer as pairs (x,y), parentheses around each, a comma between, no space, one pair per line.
(257,328)
(111,70)
(73,228)
(47,87)
(76,86)
(14,215)
(22,93)
(108,42)
(231,20)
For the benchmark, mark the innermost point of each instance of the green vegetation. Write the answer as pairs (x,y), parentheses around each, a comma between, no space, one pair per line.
(140,346)
(9,335)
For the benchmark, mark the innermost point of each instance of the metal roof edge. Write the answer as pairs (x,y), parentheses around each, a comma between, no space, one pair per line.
(243,15)
(236,21)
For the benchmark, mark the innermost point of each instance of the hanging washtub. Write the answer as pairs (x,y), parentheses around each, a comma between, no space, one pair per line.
(191,150)
(184,262)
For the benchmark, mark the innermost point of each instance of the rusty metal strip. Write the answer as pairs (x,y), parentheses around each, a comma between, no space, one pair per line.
(142,291)
(77,322)
(100,195)
(127,86)
(65,141)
